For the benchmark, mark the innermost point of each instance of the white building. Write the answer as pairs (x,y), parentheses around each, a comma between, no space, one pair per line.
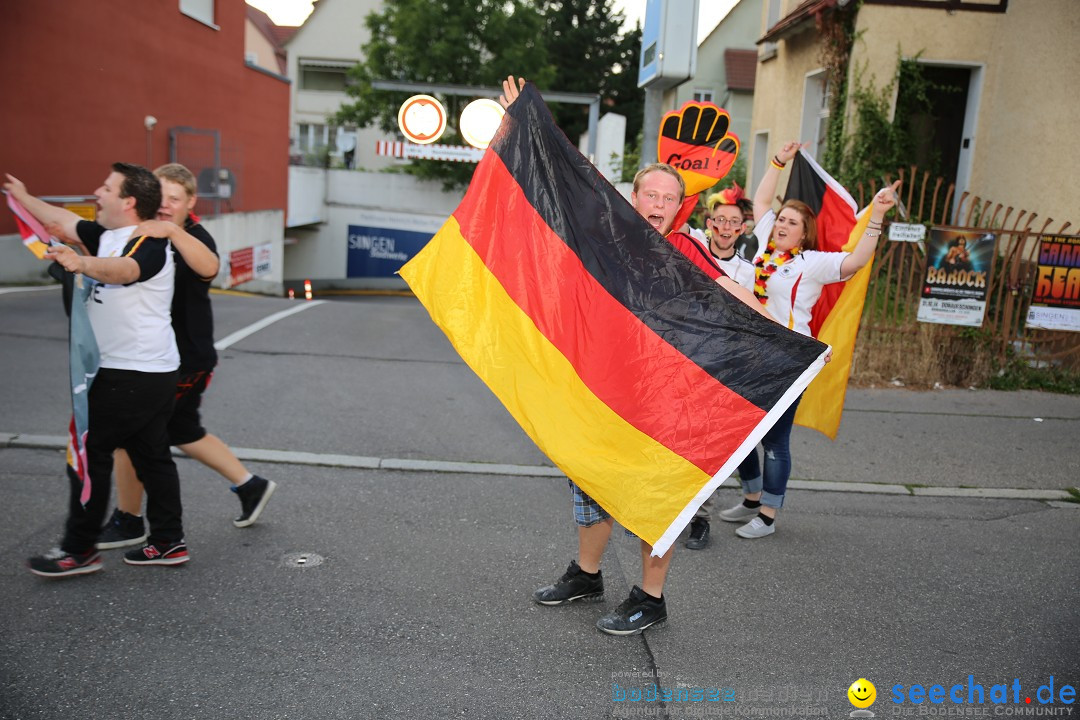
(320,53)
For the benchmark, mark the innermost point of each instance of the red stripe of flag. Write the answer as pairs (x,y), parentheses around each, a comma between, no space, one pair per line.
(673,401)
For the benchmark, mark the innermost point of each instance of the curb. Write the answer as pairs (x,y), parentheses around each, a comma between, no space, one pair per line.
(1057,498)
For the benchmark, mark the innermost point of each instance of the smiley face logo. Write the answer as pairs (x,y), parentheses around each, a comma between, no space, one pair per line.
(862,693)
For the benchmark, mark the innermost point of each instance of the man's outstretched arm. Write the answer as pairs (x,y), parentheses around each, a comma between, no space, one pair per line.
(47,214)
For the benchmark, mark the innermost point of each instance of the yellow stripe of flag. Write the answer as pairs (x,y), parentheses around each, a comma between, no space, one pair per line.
(642,481)
(823,402)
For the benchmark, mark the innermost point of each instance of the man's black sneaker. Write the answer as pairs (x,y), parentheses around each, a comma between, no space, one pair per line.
(636,613)
(150,554)
(573,585)
(57,563)
(699,534)
(123,529)
(253,496)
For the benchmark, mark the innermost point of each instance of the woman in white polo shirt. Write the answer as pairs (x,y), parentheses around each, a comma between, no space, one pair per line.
(789,276)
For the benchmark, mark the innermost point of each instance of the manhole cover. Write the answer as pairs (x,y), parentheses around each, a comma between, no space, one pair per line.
(302,560)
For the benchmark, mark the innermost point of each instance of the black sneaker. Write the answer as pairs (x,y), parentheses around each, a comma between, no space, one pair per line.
(123,529)
(636,613)
(150,554)
(573,585)
(253,496)
(57,563)
(699,534)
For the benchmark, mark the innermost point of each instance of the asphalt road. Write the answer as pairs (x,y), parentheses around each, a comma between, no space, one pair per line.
(413,601)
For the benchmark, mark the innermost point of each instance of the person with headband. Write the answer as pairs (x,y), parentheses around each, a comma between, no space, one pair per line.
(725,225)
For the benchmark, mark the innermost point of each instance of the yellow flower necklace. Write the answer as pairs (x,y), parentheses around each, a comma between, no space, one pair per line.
(765,265)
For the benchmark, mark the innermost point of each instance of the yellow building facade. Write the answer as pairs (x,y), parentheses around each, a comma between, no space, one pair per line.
(1015,123)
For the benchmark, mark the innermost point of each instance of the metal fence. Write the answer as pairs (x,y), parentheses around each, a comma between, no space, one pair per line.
(218,168)
(889,324)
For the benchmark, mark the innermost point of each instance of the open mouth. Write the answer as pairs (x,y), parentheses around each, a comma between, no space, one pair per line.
(656,221)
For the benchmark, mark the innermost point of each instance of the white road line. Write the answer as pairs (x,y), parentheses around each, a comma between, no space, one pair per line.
(268,320)
(28,288)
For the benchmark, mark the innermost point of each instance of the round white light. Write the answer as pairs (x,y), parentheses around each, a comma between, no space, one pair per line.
(422,119)
(479,121)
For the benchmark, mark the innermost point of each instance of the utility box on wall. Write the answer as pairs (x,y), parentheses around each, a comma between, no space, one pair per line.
(668,43)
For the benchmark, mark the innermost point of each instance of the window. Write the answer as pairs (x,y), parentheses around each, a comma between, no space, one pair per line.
(325,75)
(311,137)
(201,10)
(703,95)
(815,118)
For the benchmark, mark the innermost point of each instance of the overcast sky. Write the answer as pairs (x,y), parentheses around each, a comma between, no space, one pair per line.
(293,12)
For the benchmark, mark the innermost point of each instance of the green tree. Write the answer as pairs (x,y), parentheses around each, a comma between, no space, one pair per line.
(563,45)
(622,95)
(462,42)
(591,54)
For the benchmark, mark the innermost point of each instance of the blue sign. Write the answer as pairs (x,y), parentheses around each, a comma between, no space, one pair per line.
(380,252)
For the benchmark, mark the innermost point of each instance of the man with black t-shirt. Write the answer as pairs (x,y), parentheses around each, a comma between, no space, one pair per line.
(131,398)
(193,320)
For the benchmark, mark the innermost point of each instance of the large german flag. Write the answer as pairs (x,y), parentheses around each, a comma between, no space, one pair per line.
(641,378)
(835,317)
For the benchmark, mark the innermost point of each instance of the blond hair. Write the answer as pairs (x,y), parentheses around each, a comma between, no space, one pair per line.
(664,168)
(177,173)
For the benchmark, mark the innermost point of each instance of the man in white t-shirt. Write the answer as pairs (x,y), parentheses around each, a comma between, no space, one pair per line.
(131,398)
(725,224)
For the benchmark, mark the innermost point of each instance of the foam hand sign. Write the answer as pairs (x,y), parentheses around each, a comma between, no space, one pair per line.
(695,140)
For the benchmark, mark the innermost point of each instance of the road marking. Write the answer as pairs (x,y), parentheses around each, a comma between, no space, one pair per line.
(59,442)
(268,320)
(28,288)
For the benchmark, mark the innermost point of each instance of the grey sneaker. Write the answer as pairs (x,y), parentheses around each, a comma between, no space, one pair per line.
(756,528)
(737,513)
(573,585)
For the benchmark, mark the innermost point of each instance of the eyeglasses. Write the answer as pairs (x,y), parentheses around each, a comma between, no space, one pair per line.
(733,222)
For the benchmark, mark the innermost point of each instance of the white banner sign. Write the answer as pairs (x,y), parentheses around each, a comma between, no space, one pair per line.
(907,232)
(457,153)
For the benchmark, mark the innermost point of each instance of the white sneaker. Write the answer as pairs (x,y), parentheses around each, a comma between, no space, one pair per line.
(756,528)
(737,513)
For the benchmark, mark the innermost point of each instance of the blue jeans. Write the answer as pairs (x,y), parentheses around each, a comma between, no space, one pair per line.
(777,444)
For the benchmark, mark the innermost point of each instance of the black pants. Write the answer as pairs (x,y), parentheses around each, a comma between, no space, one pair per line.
(130,410)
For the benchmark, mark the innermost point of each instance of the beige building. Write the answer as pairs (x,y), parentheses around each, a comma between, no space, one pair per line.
(320,54)
(263,41)
(1006,134)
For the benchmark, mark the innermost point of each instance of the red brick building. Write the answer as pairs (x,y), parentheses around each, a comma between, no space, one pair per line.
(80,79)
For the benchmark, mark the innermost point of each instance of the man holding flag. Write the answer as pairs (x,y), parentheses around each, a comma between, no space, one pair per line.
(610,344)
(131,398)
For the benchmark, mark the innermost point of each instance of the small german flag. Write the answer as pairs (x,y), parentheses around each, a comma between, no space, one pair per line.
(836,314)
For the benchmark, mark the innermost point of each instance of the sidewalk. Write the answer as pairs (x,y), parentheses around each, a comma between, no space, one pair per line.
(1028,437)
(947,439)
